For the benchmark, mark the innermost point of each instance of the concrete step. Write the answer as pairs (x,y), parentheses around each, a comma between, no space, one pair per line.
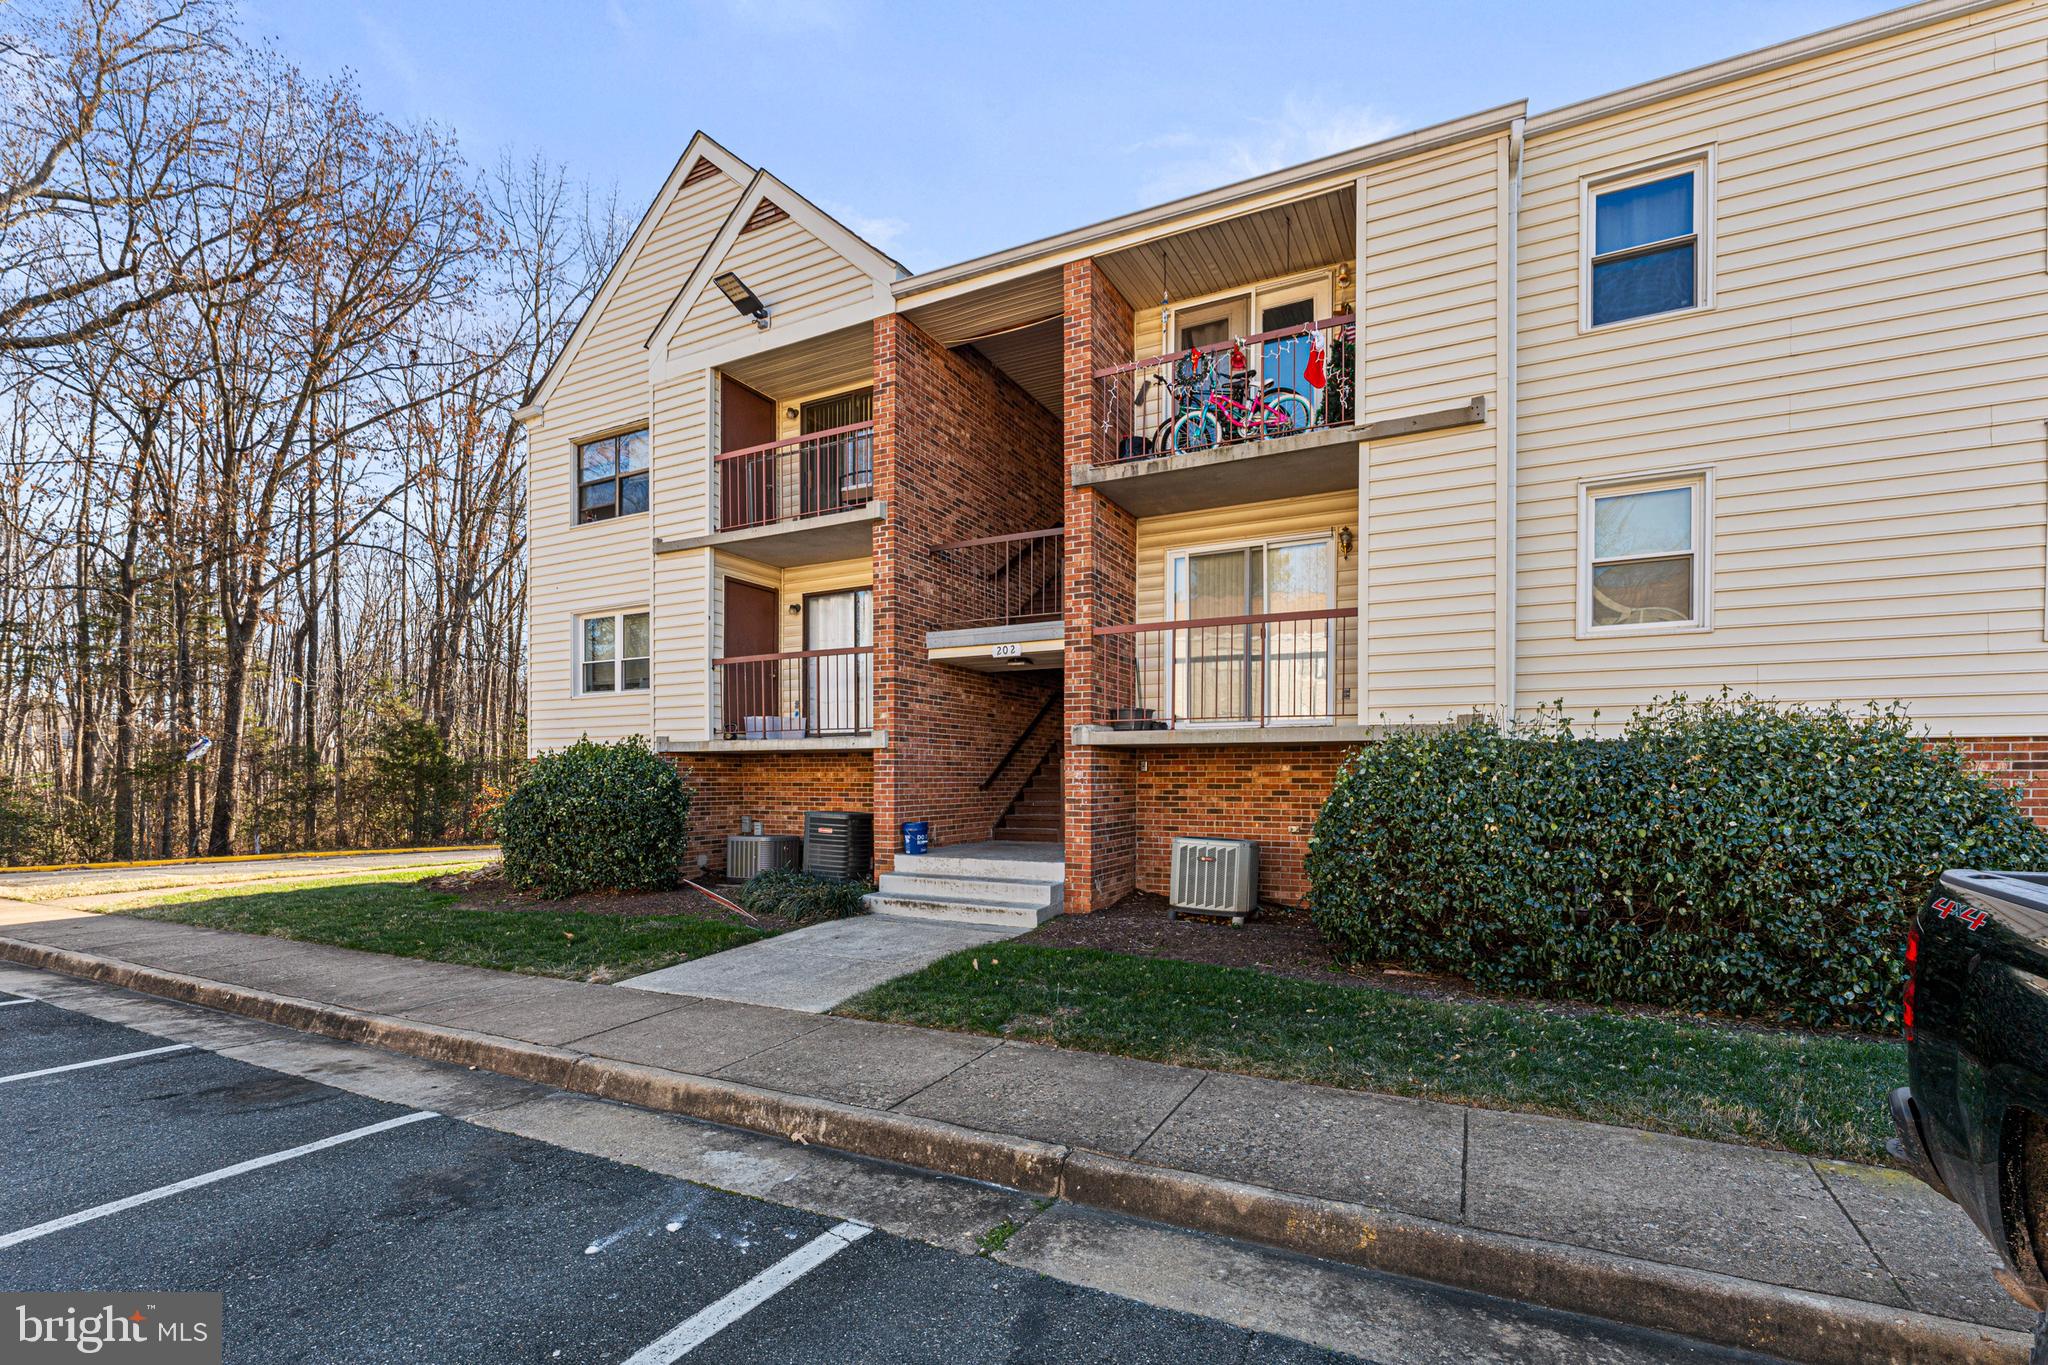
(959,911)
(986,860)
(994,891)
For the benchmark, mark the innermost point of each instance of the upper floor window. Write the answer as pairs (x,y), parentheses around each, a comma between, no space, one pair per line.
(613,652)
(1646,251)
(1643,548)
(611,477)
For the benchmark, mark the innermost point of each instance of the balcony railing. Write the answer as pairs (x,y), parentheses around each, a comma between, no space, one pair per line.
(1277,668)
(807,476)
(1007,578)
(1258,388)
(806,694)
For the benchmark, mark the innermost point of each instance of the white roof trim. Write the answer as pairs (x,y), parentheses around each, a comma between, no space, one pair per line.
(1889,24)
(1284,183)
(700,148)
(879,267)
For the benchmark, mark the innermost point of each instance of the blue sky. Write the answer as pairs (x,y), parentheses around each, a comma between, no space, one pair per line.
(941,131)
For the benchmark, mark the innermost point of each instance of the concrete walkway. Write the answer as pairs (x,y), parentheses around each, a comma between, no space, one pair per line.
(1634,1225)
(814,968)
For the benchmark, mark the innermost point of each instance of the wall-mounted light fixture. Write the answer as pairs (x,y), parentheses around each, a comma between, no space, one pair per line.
(796,609)
(743,298)
(1346,541)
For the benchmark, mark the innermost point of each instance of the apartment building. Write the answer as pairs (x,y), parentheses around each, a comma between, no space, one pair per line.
(1737,378)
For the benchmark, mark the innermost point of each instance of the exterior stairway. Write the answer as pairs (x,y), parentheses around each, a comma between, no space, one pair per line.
(1038,808)
(1001,885)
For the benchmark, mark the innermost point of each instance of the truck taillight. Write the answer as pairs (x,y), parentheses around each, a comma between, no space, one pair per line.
(1912,971)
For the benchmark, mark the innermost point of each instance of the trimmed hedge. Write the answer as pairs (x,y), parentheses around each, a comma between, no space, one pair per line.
(1724,855)
(595,817)
(802,898)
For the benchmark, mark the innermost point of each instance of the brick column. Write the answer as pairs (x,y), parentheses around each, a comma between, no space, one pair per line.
(961,452)
(1100,587)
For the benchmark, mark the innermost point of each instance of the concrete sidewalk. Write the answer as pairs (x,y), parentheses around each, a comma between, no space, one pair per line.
(1809,1259)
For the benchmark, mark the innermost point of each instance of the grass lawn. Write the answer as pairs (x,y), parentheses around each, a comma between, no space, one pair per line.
(1813,1094)
(393,913)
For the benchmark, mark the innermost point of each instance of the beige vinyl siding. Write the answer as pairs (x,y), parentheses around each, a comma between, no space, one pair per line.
(1430,284)
(1869,386)
(682,644)
(604,565)
(684,409)
(798,276)
(1158,538)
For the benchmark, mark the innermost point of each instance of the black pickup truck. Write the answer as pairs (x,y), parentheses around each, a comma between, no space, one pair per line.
(1974,1121)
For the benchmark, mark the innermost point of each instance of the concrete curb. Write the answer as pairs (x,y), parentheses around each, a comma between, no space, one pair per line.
(1726,1310)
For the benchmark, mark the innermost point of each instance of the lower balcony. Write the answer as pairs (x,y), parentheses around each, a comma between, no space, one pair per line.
(1275,677)
(804,699)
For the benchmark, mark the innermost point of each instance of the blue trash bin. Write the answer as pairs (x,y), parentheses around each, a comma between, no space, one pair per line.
(917,835)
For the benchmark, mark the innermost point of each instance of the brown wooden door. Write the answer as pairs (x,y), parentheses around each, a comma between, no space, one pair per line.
(746,487)
(750,689)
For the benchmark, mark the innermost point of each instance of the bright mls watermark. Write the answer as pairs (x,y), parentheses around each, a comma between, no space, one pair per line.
(159,1329)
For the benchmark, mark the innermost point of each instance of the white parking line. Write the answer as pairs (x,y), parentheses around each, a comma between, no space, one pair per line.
(72,1220)
(25,1000)
(97,1061)
(712,1319)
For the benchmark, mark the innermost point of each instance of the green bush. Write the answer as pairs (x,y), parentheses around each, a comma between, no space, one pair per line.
(595,817)
(1724,855)
(802,898)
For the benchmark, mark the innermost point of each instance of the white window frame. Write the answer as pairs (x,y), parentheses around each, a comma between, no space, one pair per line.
(1700,161)
(1178,556)
(618,619)
(1701,481)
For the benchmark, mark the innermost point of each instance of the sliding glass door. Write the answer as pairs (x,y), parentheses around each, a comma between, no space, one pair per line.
(1242,672)
(839,688)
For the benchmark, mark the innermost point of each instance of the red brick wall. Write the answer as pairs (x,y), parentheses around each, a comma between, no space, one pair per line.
(2020,763)
(961,452)
(1101,579)
(1268,793)
(775,789)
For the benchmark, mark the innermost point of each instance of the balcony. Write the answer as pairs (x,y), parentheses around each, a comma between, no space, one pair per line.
(1274,677)
(801,500)
(1266,416)
(1007,604)
(805,699)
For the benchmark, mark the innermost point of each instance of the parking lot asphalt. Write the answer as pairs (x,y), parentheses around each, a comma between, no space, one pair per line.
(341,1226)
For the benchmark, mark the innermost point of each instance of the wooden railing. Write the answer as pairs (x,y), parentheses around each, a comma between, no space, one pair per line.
(1276,668)
(805,476)
(803,694)
(1008,578)
(1186,400)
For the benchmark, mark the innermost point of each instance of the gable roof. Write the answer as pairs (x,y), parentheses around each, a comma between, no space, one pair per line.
(767,200)
(701,157)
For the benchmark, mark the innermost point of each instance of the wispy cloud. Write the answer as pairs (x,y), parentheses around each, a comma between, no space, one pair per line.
(392,53)
(621,22)
(1239,145)
(882,233)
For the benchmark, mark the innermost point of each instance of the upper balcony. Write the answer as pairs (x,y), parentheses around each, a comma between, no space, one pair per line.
(823,480)
(1228,417)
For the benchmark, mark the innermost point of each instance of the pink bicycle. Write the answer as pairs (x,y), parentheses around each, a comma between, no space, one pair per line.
(1229,411)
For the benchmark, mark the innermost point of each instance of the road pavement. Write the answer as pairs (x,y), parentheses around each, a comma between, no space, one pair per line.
(357,1206)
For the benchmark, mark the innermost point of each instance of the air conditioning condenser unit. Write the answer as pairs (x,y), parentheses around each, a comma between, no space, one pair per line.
(1214,877)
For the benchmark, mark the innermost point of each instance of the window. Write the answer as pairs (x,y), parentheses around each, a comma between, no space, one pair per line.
(1645,554)
(611,477)
(1275,672)
(1646,244)
(615,653)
